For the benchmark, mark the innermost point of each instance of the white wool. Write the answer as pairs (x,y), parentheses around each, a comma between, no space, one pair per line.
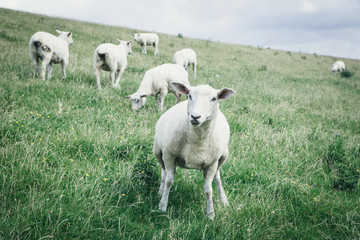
(50,49)
(186,57)
(147,39)
(338,66)
(112,58)
(156,82)
(193,134)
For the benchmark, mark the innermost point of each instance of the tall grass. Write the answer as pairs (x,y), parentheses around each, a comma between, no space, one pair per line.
(77,163)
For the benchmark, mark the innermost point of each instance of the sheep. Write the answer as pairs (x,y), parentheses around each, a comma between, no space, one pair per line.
(193,134)
(156,82)
(50,49)
(147,39)
(338,66)
(113,58)
(186,57)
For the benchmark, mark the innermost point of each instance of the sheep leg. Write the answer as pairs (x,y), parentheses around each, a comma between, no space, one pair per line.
(50,68)
(162,183)
(43,69)
(209,174)
(220,188)
(63,66)
(112,78)
(97,75)
(118,76)
(158,155)
(162,98)
(156,49)
(36,63)
(178,97)
(169,180)
(194,68)
(144,48)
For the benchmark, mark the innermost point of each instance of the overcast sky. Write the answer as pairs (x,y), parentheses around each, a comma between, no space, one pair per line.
(326,27)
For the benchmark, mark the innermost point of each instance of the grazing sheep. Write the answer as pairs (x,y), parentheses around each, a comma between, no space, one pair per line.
(338,66)
(50,49)
(156,82)
(113,58)
(186,57)
(193,134)
(147,39)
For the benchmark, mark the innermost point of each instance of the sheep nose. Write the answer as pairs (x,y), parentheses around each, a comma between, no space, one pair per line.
(195,116)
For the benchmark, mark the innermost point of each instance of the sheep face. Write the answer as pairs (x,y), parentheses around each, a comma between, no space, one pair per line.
(67,36)
(137,101)
(203,102)
(128,45)
(136,36)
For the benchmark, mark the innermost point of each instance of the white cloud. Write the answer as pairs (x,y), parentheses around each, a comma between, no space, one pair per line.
(308,6)
(328,27)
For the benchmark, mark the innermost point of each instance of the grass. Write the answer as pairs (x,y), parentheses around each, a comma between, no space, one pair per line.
(77,163)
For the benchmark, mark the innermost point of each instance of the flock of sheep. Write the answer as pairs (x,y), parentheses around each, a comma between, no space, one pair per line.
(192,134)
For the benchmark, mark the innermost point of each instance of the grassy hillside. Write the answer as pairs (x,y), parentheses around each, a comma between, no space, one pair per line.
(77,163)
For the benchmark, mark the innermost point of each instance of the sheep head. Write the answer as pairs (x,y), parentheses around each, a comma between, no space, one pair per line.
(137,101)
(67,36)
(203,102)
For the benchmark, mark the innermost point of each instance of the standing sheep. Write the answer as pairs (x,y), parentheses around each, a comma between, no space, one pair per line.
(338,66)
(50,49)
(193,134)
(147,39)
(156,82)
(186,57)
(113,58)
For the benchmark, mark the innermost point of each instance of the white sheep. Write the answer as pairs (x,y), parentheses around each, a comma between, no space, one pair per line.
(50,49)
(186,57)
(112,58)
(193,134)
(338,66)
(156,82)
(144,39)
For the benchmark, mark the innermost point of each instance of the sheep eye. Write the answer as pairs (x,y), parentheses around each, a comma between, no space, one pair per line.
(138,100)
(190,97)
(213,99)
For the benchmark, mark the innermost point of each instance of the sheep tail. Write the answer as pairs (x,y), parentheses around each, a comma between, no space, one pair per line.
(102,56)
(38,44)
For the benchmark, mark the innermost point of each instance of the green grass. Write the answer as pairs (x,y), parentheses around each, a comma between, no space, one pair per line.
(86,170)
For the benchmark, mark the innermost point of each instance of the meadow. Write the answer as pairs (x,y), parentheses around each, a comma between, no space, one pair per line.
(77,162)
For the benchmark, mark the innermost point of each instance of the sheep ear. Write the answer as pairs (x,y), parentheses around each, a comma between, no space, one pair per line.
(133,35)
(143,96)
(118,40)
(225,93)
(58,31)
(69,34)
(180,88)
(129,96)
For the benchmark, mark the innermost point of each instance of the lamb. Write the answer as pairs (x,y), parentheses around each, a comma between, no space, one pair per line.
(113,58)
(50,49)
(147,39)
(193,134)
(338,66)
(156,82)
(186,57)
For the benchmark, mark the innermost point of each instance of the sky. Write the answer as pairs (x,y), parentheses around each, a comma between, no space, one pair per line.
(324,27)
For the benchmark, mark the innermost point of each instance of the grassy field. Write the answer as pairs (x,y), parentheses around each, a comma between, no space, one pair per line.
(77,163)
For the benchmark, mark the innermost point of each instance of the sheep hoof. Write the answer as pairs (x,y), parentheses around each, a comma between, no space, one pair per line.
(162,208)
(225,202)
(211,216)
